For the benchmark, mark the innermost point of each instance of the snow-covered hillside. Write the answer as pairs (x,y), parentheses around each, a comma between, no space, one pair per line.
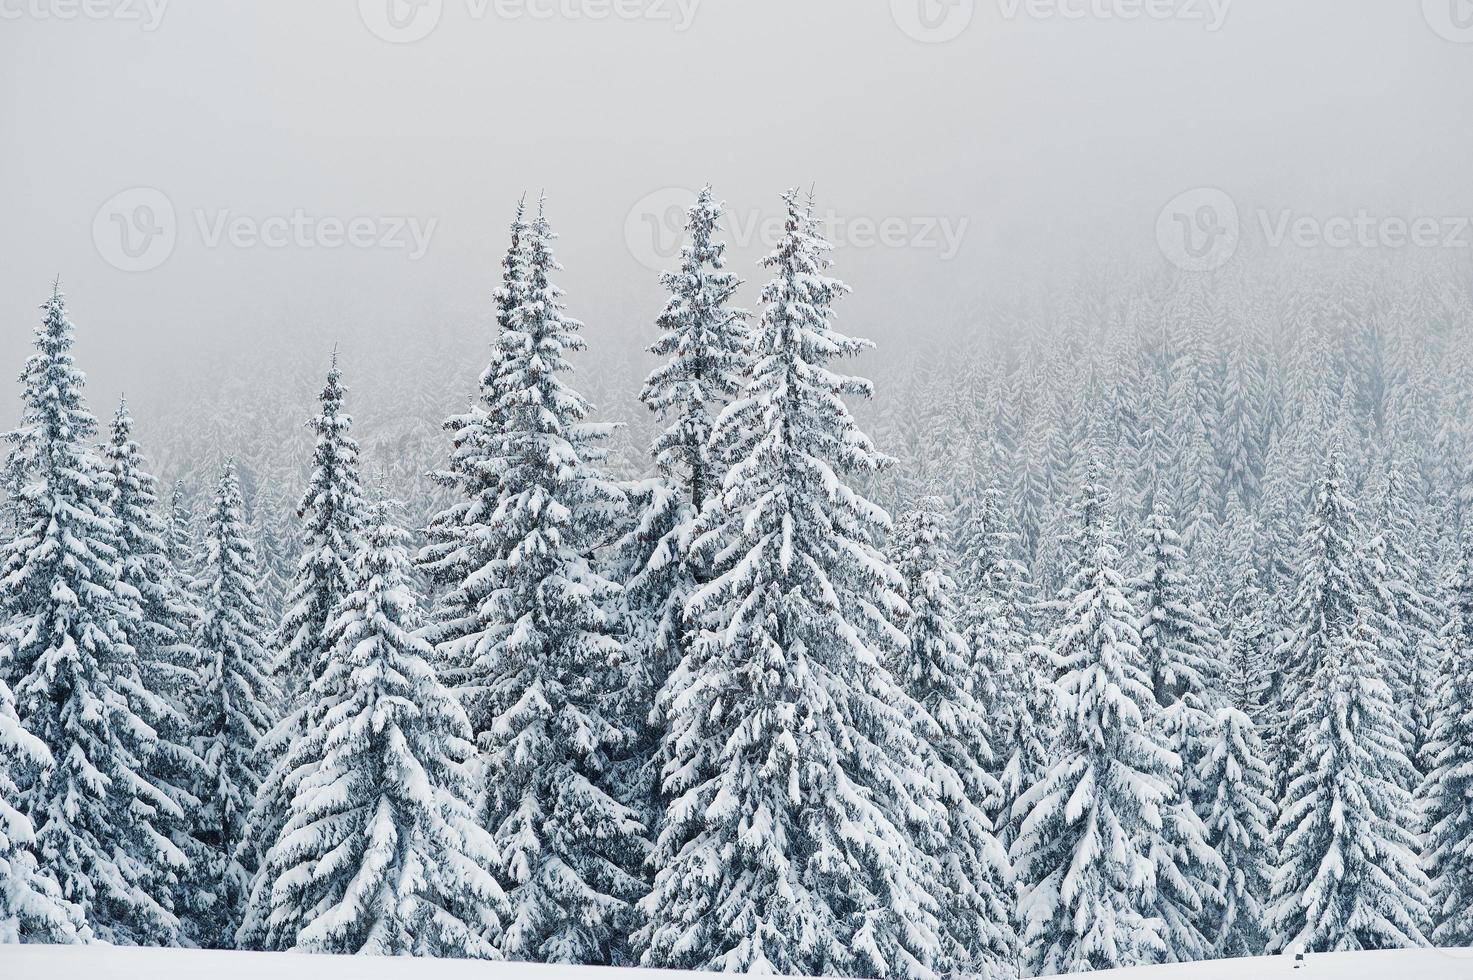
(129,963)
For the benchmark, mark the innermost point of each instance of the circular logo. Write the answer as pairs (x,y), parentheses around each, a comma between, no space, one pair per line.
(1452,20)
(933,21)
(135,230)
(654,228)
(1198,230)
(400,21)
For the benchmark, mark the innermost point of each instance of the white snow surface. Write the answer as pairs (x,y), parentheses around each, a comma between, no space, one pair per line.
(100,962)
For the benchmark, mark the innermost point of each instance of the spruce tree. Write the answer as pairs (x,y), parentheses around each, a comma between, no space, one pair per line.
(381,852)
(1180,647)
(1014,682)
(460,544)
(938,672)
(239,703)
(167,684)
(65,652)
(1447,792)
(704,342)
(544,653)
(1239,819)
(331,511)
(32,909)
(1347,876)
(787,844)
(1086,851)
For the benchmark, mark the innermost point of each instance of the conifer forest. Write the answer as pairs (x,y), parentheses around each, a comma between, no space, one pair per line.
(1108,611)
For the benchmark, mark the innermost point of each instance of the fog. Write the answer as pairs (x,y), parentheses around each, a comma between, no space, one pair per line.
(1039,138)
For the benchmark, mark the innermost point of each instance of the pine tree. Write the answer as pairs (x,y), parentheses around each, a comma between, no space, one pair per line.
(704,342)
(1084,853)
(65,652)
(1347,877)
(787,844)
(1012,674)
(169,677)
(238,706)
(544,654)
(381,852)
(1447,792)
(460,544)
(937,672)
(331,511)
(1239,820)
(31,905)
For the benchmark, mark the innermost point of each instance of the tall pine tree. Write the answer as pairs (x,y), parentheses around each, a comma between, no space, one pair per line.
(787,845)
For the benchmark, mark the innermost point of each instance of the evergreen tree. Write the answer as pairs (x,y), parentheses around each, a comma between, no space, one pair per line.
(1347,877)
(1239,821)
(331,510)
(168,666)
(938,673)
(544,654)
(704,342)
(1085,852)
(787,845)
(1012,674)
(1448,790)
(381,852)
(32,909)
(65,651)
(460,543)
(238,705)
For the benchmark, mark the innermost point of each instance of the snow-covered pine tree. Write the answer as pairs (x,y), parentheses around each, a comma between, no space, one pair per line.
(1324,605)
(1085,851)
(239,704)
(64,649)
(181,537)
(331,511)
(938,672)
(787,845)
(1347,875)
(1180,649)
(460,544)
(544,655)
(164,693)
(32,909)
(381,852)
(1447,792)
(1239,821)
(1014,682)
(704,341)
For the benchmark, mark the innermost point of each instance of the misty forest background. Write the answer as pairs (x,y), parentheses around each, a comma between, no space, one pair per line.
(1166,654)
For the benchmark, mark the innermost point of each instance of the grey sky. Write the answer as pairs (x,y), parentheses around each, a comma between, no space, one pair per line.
(1034,133)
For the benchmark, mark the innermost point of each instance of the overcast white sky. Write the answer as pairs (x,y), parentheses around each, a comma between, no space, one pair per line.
(1032,132)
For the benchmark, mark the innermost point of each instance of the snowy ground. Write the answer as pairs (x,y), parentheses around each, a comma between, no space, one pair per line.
(108,963)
